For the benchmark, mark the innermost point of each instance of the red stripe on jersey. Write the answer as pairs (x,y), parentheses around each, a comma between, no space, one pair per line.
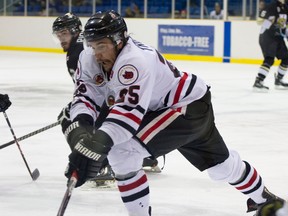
(128,115)
(133,185)
(158,124)
(251,181)
(180,88)
(88,105)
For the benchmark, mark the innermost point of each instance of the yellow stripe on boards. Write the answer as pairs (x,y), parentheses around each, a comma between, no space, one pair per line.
(32,49)
(168,56)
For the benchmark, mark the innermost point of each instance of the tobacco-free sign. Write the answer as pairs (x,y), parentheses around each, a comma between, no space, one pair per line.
(186,39)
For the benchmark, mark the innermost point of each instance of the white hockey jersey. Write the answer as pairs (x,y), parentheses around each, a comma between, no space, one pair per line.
(141,81)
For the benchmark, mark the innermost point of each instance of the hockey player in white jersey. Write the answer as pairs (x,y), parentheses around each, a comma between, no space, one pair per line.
(152,109)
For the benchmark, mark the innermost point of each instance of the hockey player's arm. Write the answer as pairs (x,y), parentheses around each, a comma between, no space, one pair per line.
(265,25)
(89,148)
(87,97)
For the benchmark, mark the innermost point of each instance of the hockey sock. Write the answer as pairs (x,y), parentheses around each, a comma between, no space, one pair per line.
(251,184)
(135,194)
(263,71)
(281,71)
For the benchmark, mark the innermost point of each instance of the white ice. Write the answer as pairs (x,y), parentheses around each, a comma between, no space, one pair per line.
(254,124)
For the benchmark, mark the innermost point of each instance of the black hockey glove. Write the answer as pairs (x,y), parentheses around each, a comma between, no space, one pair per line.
(4,102)
(88,155)
(78,129)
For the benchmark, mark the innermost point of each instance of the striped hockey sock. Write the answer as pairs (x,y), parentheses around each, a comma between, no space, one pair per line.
(251,184)
(135,194)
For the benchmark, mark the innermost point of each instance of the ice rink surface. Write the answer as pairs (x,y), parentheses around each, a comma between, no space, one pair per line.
(38,84)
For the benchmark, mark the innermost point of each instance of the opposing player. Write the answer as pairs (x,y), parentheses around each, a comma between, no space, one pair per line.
(67,29)
(271,40)
(5,103)
(154,108)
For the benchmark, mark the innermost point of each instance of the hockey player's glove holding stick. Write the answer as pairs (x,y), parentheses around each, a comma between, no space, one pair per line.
(4,102)
(89,148)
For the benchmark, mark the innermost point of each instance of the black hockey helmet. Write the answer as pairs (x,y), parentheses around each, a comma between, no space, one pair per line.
(107,24)
(68,21)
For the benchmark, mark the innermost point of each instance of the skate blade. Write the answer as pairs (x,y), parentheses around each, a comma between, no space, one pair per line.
(99,185)
(281,87)
(155,169)
(260,90)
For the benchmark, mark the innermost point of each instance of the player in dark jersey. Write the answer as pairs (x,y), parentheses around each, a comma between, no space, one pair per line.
(4,102)
(154,108)
(271,39)
(68,30)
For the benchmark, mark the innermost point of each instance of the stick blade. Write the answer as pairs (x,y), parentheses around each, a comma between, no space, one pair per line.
(35,174)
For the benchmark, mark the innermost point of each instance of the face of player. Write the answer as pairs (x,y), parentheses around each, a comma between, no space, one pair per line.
(65,37)
(105,52)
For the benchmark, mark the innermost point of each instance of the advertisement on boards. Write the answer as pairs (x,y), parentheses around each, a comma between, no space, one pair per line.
(186,39)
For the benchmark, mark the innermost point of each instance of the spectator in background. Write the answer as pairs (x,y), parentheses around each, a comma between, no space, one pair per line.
(217,13)
(132,11)
(195,10)
(47,12)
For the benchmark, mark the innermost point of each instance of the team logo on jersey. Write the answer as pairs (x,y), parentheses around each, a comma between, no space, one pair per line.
(99,79)
(127,75)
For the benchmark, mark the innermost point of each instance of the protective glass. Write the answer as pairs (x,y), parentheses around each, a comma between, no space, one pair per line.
(96,48)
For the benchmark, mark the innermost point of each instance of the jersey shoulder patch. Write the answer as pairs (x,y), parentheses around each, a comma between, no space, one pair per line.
(128,74)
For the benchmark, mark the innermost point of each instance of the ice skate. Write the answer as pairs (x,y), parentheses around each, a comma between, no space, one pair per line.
(151,165)
(104,179)
(259,86)
(273,208)
(279,83)
(271,198)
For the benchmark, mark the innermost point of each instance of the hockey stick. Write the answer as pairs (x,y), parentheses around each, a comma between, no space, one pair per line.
(35,174)
(30,134)
(71,185)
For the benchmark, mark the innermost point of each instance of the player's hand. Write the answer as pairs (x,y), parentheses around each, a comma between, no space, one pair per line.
(5,103)
(86,168)
(87,156)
